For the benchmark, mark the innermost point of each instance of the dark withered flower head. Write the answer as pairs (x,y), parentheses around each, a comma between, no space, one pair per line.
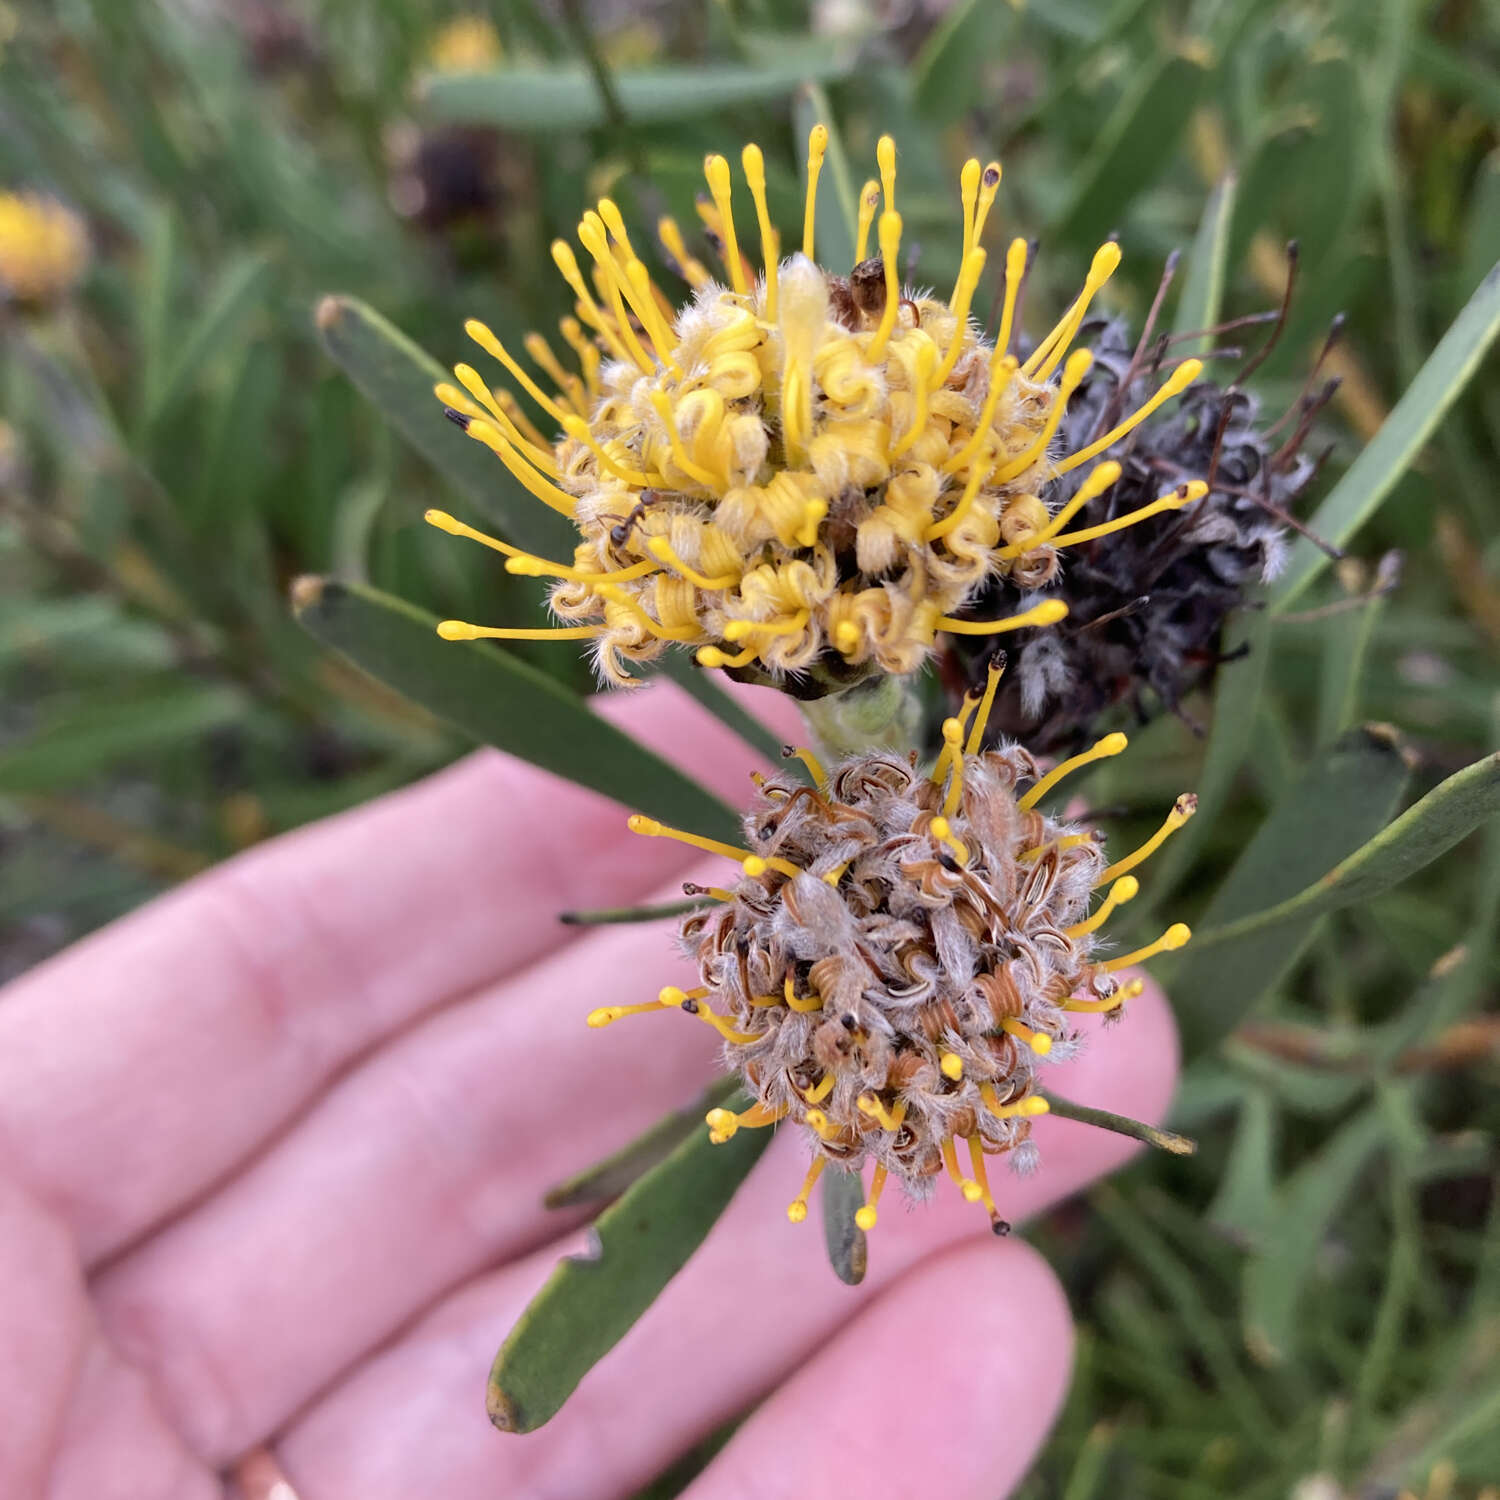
(1145,612)
(803,472)
(900,952)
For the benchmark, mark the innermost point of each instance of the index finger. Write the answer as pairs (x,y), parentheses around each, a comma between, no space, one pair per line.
(141,1065)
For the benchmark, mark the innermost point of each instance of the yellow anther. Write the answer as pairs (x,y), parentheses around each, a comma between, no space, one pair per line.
(756,865)
(496,350)
(662,405)
(1183,809)
(1048,612)
(817,146)
(1176,936)
(1027,1108)
(966,1185)
(993,673)
(797,1208)
(461,630)
(869,205)
(1002,372)
(801,1003)
(1038,1041)
(1183,495)
(887,1119)
(921,395)
(820,1090)
(1111,744)
(649,828)
(952,1066)
(506,451)
(1123,890)
(808,759)
(607,1015)
(691,269)
(968,279)
(1177,382)
(580,431)
(866,1215)
(890,250)
(1077,367)
(885,157)
(660,548)
(716,171)
(1099,479)
(1114,1002)
(755,175)
(942,831)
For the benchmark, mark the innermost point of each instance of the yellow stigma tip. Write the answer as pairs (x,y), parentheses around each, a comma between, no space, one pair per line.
(456,630)
(1126,888)
(865,1218)
(1106,261)
(722,1124)
(952,1066)
(1041,1043)
(671,995)
(1178,935)
(1049,612)
(754,865)
(797,1211)
(442,520)
(640,823)
(971,1190)
(1036,1105)
(1113,744)
(602,1017)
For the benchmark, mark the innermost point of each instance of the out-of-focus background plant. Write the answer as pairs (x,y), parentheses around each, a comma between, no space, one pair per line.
(1311,1305)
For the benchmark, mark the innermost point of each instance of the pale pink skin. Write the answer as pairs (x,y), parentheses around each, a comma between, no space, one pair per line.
(271,1159)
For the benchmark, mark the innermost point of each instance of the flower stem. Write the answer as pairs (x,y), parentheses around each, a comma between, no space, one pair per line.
(881,713)
(1165,1140)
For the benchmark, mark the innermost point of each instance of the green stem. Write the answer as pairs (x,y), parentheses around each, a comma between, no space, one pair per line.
(882,713)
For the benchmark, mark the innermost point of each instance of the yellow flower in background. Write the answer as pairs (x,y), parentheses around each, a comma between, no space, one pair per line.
(466,44)
(43,248)
(800,470)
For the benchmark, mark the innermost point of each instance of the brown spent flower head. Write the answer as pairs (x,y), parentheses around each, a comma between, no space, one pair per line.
(902,950)
(43,248)
(803,473)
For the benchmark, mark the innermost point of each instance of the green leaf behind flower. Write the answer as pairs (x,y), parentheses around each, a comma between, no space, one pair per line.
(590,1302)
(500,700)
(1203,290)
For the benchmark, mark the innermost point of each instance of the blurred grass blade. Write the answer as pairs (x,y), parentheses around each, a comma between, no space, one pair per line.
(1344,799)
(537,100)
(700,684)
(591,1301)
(100,732)
(1449,812)
(240,287)
(1276,1278)
(1203,287)
(607,916)
(1134,146)
(837,208)
(843,1193)
(1245,1202)
(1346,646)
(948,76)
(500,700)
(1373,475)
(398,377)
(609,1178)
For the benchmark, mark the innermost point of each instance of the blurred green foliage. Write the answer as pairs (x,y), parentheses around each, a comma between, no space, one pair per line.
(1317,1293)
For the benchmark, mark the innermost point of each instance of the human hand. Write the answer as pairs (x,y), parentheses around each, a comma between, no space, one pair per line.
(272,1154)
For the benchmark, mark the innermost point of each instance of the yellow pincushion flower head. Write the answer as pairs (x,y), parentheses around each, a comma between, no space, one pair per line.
(43,248)
(901,951)
(802,474)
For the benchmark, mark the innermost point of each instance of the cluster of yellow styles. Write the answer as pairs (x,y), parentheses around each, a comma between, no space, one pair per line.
(900,1053)
(43,248)
(799,467)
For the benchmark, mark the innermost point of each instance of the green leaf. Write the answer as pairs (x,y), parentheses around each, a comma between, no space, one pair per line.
(499,699)
(591,1301)
(1244,1203)
(1135,144)
(1344,798)
(609,1178)
(97,734)
(948,76)
(398,378)
(701,685)
(1276,1278)
(1373,475)
(1346,645)
(843,1194)
(1449,812)
(1203,289)
(541,99)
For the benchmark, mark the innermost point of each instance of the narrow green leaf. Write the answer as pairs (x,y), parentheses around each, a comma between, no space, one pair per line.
(498,699)
(591,1301)
(398,377)
(1449,812)
(97,734)
(843,1194)
(606,916)
(948,76)
(1203,288)
(836,219)
(1373,475)
(1343,799)
(1245,1202)
(701,684)
(609,1178)
(1346,644)
(538,100)
(1276,1277)
(1135,145)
